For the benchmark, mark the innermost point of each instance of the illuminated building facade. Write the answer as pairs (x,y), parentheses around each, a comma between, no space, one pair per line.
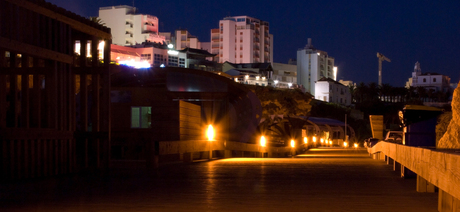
(54,91)
(185,40)
(433,81)
(242,39)
(128,27)
(312,65)
(329,90)
(149,54)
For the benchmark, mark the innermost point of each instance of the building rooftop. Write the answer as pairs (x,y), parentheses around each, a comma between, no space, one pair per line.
(324,79)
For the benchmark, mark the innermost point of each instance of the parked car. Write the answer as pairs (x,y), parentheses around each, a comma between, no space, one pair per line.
(370,142)
(394,136)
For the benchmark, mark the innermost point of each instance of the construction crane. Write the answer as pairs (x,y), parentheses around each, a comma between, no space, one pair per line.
(381,58)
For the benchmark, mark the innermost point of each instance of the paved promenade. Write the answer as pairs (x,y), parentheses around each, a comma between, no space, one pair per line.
(320,180)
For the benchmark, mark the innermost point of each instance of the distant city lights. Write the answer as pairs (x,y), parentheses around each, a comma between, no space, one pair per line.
(135,64)
(173,52)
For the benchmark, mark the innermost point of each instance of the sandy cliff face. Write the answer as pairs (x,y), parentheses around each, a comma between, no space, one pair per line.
(451,139)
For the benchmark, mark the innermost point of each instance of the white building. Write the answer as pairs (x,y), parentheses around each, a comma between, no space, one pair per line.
(329,90)
(433,81)
(284,75)
(312,65)
(242,39)
(128,27)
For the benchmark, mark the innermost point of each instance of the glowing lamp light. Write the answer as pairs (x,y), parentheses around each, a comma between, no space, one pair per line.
(257,77)
(322,140)
(170,46)
(345,144)
(276,82)
(356,145)
(305,140)
(292,143)
(314,139)
(262,141)
(173,52)
(289,84)
(162,65)
(330,142)
(135,64)
(246,77)
(210,133)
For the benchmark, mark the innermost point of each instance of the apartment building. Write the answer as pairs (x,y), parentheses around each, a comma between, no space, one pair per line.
(242,39)
(284,75)
(312,65)
(128,27)
(185,40)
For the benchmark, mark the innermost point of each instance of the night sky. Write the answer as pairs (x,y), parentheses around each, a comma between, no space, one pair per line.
(350,31)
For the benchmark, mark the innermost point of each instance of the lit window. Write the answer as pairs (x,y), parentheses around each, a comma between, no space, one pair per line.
(141,117)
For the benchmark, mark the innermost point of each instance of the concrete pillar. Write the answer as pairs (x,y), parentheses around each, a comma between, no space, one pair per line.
(210,154)
(423,185)
(375,156)
(447,203)
(227,153)
(187,157)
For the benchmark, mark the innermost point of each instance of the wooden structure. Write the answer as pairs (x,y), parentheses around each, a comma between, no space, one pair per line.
(434,168)
(54,91)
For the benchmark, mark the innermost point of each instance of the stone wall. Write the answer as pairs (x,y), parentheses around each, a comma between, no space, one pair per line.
(451,139)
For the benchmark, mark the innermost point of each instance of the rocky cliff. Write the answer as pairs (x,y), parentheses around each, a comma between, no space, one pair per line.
(451,139)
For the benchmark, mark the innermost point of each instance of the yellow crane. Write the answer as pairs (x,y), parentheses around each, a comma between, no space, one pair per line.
(381,58)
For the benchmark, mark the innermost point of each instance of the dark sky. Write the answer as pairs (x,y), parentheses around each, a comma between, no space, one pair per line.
(350,31)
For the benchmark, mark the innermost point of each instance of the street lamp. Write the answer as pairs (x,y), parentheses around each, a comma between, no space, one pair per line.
(292,143)
(345,144)
(305,140)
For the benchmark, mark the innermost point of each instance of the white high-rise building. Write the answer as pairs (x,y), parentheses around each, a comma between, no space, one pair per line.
(242,39)
(128,27)
(312,65)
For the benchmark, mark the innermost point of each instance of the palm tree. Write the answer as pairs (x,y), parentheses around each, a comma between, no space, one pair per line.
(372,92)
(352,89)
(360,91)
(385,92)
(421,92)
(96,20)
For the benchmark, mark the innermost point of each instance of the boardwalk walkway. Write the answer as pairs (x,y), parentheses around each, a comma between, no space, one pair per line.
(320,180)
